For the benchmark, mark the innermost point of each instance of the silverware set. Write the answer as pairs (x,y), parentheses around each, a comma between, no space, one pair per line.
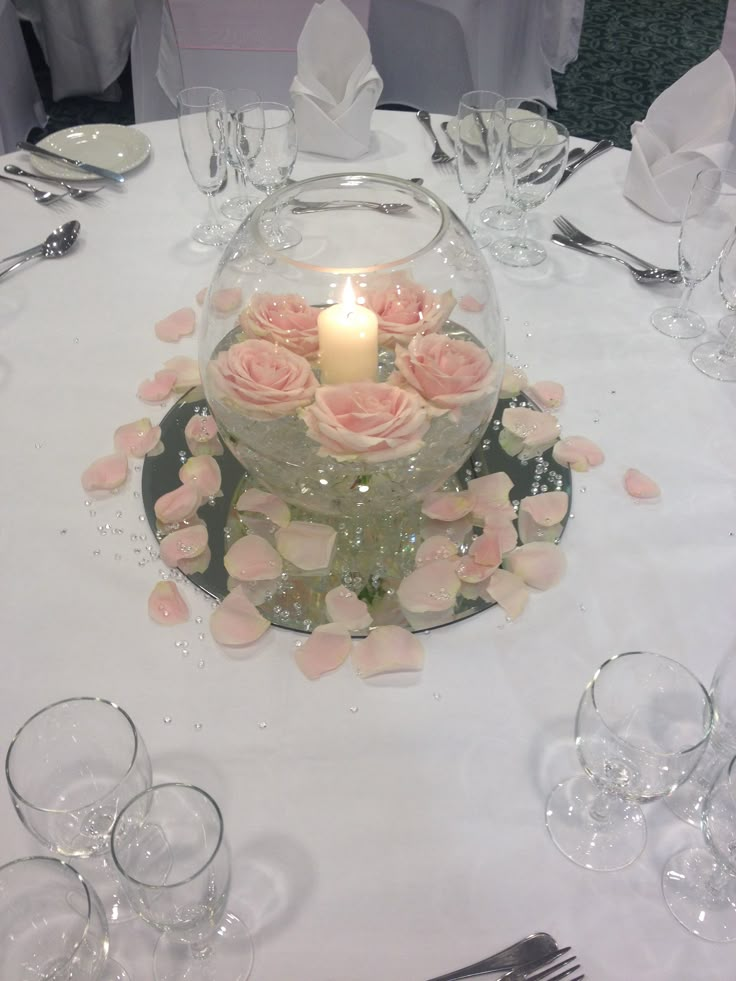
(439,157)
(534,958)
(54,246)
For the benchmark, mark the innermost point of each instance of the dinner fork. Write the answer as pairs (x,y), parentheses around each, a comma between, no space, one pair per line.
(439,156)
(567,228)
(647,277)
(78,193)
(563,970)
(42,197)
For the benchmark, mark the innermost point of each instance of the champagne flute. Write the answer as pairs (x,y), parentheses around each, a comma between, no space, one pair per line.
(203,135)
(477,144)
(506,217)
(705,230)
(717,359)
(240,205)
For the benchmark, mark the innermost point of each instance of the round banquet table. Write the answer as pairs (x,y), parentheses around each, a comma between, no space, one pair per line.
(388,829)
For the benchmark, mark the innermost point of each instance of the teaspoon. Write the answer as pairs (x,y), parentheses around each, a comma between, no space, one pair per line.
(56,245)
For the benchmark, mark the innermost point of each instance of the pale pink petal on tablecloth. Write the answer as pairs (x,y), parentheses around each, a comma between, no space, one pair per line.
(202,295)
(638,485)
(578,453)
(177,325)
(306,544)
(514,381)
(388,649)
(470,571)
(166,604)
(501,525)
(345,608)
(490,494)
(537,430)
(546,394)
(546,509)
(157,389)
(187,373)
(325,650)
(186,543)
(198,564)
(177,505)
(137,438)
(509,591)
(107,473)
(270,505)
(436,547)
(253,558)
(540,564)
(236,622)
(204,473)
(486,550)
(227,300)
(447,505)
(430,588)
(530,531)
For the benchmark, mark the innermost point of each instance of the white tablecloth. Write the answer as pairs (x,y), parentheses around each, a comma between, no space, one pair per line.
(389,830)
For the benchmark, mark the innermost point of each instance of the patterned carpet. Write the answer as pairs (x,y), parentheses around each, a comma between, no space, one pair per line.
(630,51)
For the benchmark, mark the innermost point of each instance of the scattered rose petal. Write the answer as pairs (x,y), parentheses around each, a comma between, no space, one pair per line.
(470,304)
(388,649)
(540,564)
(546,394)
(637,484)
(177,505)
(227,300)
(578,453)
(490,495)
(197,565)
(166,605)
(306,544)
(202,296)
(186,543)
(260,502)
(436,547)
(253,558)
(201,435)
(546,509)
(345,608)
(530,531)
(236,622)
(325,650)
(501,525)
(514,381)
(509,591)
(486,550)
(447,505)
(430,588)
(107,473)
(257,592)
(187,373)
(537,430)
(470,571)
(177,325)
(157,389)
(204,473)
(456,531)
(137,438)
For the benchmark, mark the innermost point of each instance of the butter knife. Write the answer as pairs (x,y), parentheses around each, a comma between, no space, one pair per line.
(594,152)
(109,175)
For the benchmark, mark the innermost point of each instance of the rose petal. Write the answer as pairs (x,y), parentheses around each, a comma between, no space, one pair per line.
(431,587)
(538,430)
(201,296)
(187,373)
(447,505)
(177,505)
(157,389)
(260,502)
(546,394)
(252,558)
(578,453)
(326,649)
(236,622)
(436,547)
(509,591)
(546,509)
(197,565)
(388,649)
(637,484)
(491,494)
(530,531)
(502,527)
(204,473)
(456,531)
(514,381)
(186,543)
(345,608)
(107,473)
(539,564)
(470,304)
(306,544)
(201,436)
(486,550)
(227,300)
(166,605)
(177,325)
(470,571)
(137,438)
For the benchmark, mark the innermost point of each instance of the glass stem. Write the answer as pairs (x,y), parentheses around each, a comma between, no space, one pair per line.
(682,306)
(719,884)
(214,216)
(200,952)
(728,349)
(600,809)
(524,228)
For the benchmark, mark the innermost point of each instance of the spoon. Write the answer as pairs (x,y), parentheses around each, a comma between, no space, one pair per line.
(647,277)
(78,193)
(42,197)
(56,245)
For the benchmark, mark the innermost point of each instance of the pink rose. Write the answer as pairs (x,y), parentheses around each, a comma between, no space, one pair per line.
(263,380)
(284,319)
(404,308)
(445,371)
(373,421)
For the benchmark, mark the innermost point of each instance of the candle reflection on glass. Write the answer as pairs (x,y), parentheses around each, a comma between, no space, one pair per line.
(348,341)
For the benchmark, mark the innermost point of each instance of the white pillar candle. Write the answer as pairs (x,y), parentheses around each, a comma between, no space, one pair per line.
(348,341)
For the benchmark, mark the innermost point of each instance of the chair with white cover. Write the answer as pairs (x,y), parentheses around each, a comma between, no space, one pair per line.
(155,62)
(21,107)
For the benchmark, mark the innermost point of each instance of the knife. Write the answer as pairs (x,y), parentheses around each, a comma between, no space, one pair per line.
(109,175)
(594,152)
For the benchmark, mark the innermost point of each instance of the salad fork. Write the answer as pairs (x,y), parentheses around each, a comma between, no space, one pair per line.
(563,970)
(570,231)
(78,193)
(41,197)
(439,157)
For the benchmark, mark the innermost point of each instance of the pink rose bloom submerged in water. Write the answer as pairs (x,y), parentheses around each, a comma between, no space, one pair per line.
(446,371)
(404,308)
(372,421)
(265,381)
(284,319)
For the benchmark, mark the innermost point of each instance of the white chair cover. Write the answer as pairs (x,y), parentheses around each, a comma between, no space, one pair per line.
(21,107)
(155,62)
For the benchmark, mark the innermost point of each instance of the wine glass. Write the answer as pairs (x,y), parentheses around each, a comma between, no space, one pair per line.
(203,134)
(534,159)
(705,230)
(506,217)
(52,925)
(70,768)
(717,359)
(178,879)
(240,205)
(268,143)
(477,145)
(699,884)
(642,725)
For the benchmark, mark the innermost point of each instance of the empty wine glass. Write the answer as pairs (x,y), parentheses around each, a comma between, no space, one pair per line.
(203,134)
(70,768)
(717,359)
(705,230)
(169,846)
(534,158)
(642,725)
(477,145)
(506,217)
(240,205)
(699,884)
(52,925)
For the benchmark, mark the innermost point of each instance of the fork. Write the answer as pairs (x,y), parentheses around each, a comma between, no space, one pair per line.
(647,277)
(78,193)
(567,228)
(42,197)
(564,970)
(439,156)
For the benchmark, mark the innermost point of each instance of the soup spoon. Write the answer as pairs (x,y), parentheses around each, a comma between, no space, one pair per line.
(56,245)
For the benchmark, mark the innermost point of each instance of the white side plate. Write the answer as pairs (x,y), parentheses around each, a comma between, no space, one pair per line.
(118,148)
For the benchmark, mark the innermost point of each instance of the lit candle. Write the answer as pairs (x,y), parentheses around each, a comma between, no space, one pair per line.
(348,341)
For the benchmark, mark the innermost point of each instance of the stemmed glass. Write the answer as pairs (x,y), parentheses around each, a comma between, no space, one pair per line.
(717,359)
(699,884)
(477,145)
(534,159)
(52,925)
(70,768)
(240,205)
(178,878)
(706,228)
(203,134)
(642,725)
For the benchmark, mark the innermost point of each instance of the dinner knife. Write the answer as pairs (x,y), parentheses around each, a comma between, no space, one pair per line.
(595,151)
(109,175)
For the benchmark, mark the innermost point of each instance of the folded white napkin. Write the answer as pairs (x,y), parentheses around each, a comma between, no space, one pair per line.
(686,129)
(336,86)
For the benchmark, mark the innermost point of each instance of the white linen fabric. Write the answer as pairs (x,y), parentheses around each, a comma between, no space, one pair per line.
(21,107)
(155,62)
(391,829)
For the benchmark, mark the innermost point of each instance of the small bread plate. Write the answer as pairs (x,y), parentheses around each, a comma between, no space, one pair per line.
(118,148)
